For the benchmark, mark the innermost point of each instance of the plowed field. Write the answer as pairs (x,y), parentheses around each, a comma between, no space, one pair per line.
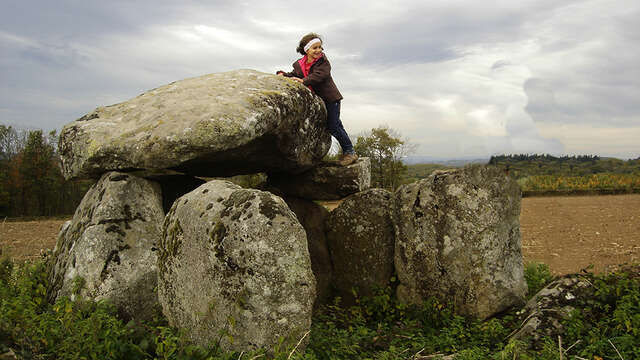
(570,233)
(567,233)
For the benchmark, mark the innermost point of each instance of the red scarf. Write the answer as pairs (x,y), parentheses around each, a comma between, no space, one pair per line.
(305,67)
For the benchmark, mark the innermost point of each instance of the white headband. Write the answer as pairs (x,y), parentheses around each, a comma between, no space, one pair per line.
(310,43)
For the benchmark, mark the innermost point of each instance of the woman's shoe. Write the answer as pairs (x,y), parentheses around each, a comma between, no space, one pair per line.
(348,159)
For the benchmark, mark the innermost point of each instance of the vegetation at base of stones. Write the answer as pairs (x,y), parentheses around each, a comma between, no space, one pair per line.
(537,276)
(377,327)
(385,148)
(31,183)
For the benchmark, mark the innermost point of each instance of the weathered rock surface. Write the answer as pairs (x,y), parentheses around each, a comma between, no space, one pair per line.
(312,217)
(108,250)
(458,239)
(238,122)
(544,312)
(361,242)
(327,181)
(235,261)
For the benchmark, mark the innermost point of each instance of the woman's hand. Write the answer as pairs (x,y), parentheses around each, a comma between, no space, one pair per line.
(298,80)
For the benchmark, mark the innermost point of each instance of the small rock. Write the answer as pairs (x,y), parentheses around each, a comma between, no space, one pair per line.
(328,181)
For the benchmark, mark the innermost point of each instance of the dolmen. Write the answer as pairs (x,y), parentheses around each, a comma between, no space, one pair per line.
(164,230)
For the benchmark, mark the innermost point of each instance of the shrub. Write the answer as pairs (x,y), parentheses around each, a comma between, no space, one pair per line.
(537,276)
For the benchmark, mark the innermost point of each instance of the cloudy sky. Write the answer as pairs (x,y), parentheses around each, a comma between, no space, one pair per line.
(458,78)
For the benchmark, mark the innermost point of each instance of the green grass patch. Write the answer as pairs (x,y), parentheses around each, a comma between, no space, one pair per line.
(377,327)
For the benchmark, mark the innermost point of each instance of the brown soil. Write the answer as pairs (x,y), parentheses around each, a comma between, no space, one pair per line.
(27,240)
(567,233)
(571,233)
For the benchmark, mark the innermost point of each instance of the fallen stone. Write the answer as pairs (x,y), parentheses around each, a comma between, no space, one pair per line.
(108,250)
(458,239)
(238,122)
(327,181)
(234,268)
(361,242)
(544,313)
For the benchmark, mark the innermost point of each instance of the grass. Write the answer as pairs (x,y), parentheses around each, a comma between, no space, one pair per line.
(377,327)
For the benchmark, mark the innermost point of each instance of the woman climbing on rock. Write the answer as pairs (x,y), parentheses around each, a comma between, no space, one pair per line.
(314,71)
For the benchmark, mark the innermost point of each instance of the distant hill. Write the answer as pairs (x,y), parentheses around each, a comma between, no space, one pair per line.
(449,162)
(524,165)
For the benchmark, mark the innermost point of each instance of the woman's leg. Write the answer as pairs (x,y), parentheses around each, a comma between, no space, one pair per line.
(336,129)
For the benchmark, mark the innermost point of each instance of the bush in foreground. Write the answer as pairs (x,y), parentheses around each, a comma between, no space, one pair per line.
(377,327)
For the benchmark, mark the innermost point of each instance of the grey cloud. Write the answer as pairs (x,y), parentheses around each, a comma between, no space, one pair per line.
(424,34)
(78,55)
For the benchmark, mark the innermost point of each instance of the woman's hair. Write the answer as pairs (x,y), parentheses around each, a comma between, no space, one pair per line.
(305,39)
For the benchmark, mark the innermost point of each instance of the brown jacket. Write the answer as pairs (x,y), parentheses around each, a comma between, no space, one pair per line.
(319,78)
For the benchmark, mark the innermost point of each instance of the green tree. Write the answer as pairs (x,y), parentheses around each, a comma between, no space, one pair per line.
(38,172)
(11,144)
(384,147)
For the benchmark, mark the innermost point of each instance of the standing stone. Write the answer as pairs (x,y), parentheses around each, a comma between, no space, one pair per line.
(312,217)
(327,181)
(458,239)
(361,242)
(108,250)
(238,122)
(234,267)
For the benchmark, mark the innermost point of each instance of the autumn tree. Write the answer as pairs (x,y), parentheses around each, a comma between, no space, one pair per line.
(385,148)
(31,183)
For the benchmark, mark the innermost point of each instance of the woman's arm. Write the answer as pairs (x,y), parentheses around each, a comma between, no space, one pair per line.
(286,74)
(295,73)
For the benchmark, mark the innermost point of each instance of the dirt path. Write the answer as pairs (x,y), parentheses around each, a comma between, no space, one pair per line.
(567,233)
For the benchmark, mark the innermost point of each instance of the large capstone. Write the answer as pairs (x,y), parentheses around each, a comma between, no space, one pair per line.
(458,239)
(108,251)
(361,242)
(238,122)
(234,268)
(327,181)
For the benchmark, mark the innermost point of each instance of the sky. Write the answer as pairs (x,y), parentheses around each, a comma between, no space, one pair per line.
(456,78)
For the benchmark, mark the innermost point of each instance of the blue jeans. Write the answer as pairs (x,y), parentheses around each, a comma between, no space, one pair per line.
(335,127)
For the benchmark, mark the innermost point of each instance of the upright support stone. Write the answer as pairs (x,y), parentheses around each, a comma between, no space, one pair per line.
(458,239)
(361,241)
(108,250)
(234,267)
(313,217)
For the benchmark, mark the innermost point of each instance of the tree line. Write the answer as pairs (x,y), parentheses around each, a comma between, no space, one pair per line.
(31,183)
(510,158)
